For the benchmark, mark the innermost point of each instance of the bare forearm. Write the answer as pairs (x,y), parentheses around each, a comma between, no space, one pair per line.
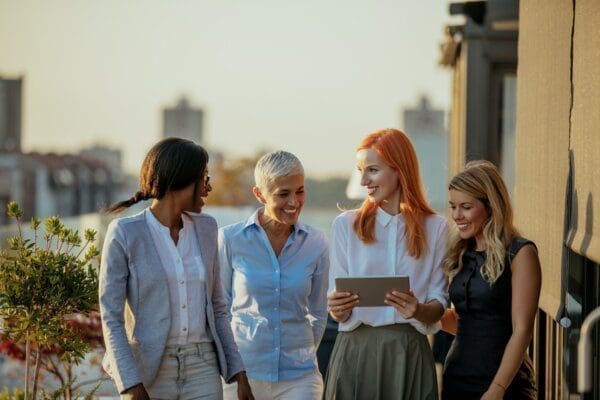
(512,357)
(429,313)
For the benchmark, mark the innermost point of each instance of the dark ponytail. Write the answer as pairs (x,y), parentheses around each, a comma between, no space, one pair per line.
(171,164)
(121,205)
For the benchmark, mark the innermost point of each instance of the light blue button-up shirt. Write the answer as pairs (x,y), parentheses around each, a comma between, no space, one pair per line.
(277,305)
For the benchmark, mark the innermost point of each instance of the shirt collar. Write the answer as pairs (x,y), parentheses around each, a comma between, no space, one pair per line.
(154,222)
(383,218)
(253,220)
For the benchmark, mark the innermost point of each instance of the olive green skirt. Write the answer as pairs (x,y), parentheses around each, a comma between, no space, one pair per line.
(381,363)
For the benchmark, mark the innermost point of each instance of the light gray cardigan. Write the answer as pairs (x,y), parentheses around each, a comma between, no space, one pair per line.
(134,302)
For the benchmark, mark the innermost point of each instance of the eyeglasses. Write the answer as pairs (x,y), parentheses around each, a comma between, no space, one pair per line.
(207,186)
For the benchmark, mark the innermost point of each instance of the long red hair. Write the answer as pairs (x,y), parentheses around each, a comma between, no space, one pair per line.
(395,149)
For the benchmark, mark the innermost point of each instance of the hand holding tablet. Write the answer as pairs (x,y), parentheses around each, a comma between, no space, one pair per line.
(371,290)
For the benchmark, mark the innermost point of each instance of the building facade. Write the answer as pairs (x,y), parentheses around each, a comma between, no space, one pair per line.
(10,113)
(426,129)
(184,121)
(54,184)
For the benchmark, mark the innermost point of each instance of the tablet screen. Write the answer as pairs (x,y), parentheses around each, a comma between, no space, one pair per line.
(371,290)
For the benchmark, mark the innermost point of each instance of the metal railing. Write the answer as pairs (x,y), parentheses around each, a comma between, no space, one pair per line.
(584,352)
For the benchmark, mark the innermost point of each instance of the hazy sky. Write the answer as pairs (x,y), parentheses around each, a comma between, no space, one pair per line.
(311,77)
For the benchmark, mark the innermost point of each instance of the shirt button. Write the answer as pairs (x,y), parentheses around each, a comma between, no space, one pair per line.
(184,329)
(277,289)
(178,261)
(182,282)
(183,306)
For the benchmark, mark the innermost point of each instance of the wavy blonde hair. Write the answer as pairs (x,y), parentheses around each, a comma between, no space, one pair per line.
(481,179)
(395,149)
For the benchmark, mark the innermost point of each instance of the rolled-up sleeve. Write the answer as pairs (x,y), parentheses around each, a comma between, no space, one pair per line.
(338,259)
(438,286)
(317,302)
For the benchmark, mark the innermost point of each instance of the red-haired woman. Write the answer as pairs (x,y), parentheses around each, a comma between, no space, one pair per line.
(382,352)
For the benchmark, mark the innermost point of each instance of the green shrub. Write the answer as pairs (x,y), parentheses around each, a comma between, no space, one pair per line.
(45,280)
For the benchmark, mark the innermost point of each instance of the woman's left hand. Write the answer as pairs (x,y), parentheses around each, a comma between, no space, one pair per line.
(494,392)
(243,387)
(406,304)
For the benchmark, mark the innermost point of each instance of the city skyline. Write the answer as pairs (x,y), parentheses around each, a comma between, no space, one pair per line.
(310,77)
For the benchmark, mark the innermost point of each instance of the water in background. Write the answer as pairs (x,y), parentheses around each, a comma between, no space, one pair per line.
(319,218)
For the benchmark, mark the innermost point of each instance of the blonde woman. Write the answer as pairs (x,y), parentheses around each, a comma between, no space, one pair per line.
(495,288)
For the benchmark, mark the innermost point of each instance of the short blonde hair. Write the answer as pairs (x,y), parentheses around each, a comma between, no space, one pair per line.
(275,165)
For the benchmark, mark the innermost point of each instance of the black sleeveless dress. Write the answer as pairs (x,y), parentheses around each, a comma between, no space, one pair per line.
(484,327)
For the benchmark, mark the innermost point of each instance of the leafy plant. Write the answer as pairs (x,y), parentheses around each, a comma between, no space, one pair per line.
(16,395)
(45,281)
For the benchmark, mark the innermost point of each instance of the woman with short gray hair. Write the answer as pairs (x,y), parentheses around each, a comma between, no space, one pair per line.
(274,165)
(274,271)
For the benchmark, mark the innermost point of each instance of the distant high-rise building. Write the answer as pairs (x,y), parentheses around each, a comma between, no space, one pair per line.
(10,113)
(183,121)
(425,127)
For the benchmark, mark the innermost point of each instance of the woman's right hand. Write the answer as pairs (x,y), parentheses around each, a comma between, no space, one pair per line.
(244,391)
(137,392)
(340,305)
(449,321)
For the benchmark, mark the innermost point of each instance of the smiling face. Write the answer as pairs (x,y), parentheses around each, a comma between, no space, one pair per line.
(380,179)
(283,199)
(470,216)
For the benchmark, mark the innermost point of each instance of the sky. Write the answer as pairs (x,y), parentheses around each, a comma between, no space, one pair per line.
(311,77)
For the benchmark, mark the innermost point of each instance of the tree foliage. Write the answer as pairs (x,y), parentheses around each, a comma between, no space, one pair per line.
(232,183)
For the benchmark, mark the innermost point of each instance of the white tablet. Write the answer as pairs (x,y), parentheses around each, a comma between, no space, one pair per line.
(371,290)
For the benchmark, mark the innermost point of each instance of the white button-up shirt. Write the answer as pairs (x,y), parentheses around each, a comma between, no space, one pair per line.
(387,256)
(186,276)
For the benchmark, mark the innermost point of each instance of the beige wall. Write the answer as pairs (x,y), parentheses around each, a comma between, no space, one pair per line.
(542,140)
(558,118)
(584,235)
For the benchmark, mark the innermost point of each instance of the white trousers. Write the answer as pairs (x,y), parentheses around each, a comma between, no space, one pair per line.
(307,387)
(187,373)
